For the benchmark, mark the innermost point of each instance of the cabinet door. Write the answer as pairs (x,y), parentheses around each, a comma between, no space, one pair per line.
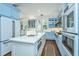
(5,10)
(50,36)
(9,11)
(15,13)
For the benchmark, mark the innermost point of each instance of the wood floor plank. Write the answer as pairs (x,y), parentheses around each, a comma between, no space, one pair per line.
(50,49)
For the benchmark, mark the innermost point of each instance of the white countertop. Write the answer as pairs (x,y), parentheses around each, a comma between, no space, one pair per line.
(27,39)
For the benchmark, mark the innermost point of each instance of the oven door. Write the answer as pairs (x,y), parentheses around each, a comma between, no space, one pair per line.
(69,44)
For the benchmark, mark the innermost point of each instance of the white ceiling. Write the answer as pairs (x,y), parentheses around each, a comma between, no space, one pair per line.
(35,9)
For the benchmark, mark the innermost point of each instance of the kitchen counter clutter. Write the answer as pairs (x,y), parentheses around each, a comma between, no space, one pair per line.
(28,45)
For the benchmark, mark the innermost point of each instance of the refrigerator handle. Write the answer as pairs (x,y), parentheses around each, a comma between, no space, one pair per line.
(6,41)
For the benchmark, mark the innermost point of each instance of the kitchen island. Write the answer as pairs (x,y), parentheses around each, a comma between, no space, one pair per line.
(28,45)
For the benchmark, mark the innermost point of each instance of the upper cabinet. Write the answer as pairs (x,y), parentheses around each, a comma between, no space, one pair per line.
(51,22)
(10,11)
(15,13)
(5,10)
(59,18)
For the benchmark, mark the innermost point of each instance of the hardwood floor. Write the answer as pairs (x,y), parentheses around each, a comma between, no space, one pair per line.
(50,49)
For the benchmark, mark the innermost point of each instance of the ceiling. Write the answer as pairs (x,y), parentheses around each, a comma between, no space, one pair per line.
(38,9)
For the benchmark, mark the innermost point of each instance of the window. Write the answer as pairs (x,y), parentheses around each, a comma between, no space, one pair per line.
(31,23)
(70,20)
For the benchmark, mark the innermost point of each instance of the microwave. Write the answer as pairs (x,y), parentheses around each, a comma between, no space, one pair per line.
(69,20)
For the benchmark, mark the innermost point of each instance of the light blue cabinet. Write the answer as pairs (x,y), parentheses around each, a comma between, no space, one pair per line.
(5,10)
(50,36)
(10,11)
(15,13)
(51,23)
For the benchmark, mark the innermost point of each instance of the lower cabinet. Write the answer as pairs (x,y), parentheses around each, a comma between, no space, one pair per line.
(50,36)
(40,45)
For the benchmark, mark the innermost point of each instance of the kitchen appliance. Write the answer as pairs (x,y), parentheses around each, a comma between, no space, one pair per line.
(69,44)
(8,28)
(69,41)
(71,28)
(5,34)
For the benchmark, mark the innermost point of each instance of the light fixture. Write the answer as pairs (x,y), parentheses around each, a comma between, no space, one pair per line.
(41,14)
